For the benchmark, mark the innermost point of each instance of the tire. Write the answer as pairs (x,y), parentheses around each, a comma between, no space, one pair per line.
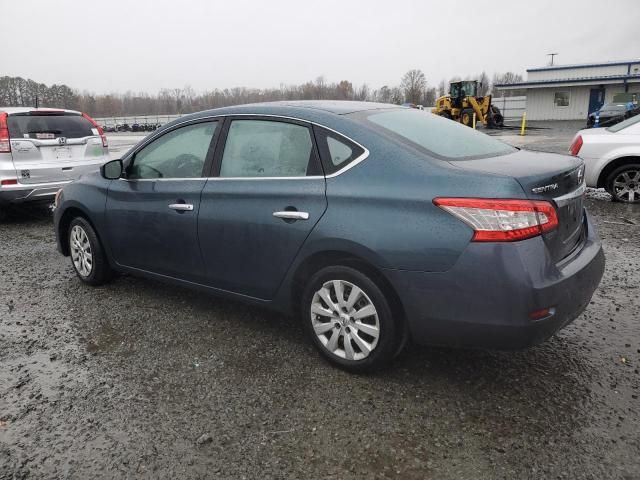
(466,117)
(624,184)
(87,255)
(365,351)
(445,114)
(496,120)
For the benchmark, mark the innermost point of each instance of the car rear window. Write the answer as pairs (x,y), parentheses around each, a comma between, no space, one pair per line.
(438,136)
(44,127)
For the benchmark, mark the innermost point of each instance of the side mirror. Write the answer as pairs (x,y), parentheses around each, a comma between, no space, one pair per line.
(112,170)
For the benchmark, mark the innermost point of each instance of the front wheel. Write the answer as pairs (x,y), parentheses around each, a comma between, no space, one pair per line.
(349,320)
(466,117)
(87,255)
(624,184)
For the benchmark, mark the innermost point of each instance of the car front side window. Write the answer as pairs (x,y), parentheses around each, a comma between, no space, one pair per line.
(266,148)
(180,153)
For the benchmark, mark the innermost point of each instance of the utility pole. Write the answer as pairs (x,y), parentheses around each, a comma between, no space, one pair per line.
(551,55)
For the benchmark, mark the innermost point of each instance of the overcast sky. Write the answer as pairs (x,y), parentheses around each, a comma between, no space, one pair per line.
(138,45)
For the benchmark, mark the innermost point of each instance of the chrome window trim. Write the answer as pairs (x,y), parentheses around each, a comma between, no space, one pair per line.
(177,179)
(353,163)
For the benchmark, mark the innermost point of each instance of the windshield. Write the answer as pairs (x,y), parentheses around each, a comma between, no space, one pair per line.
(438,136)
(624,124)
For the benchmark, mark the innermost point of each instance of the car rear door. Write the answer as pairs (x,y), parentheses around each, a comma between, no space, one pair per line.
(152,213)
(54,145)
(266,195)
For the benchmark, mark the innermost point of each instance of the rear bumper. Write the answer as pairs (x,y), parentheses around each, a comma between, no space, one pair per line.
(37,192)
(486,298)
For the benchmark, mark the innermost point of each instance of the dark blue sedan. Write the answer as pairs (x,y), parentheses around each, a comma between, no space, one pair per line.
(373,223)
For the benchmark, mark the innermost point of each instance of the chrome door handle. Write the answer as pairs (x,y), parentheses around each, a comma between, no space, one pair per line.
(181,207)
(292,215)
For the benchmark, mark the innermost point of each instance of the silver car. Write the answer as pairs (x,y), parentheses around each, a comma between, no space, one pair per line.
(42,149)
(612,158)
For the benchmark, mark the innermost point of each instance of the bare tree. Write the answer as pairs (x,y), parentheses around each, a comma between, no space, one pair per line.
(384,94)
(508,77)
(345,90)
(429,99)
(321,88)
(484,84)
(397,96)
(413,84)
(362,93)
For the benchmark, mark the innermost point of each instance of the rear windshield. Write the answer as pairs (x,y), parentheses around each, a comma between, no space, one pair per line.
(622,125)
(45,127)
(438,136)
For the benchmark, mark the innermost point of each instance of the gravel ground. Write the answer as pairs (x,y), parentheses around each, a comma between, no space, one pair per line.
(139,380)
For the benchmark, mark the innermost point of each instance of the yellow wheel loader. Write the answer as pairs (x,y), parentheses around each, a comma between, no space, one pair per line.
(463,101)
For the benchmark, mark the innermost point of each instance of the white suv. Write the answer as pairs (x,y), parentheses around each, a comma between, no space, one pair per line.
(41,149)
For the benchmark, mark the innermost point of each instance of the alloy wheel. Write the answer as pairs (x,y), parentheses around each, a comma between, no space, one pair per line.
(81,252)
(345,320)
(626,186)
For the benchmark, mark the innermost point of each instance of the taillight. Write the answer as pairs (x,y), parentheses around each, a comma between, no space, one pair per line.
(5,146)
(495,220)
(576,145)
(10,181)
(99,128)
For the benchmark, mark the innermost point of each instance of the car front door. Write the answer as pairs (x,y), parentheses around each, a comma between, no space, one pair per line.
(152,212)
(266,194)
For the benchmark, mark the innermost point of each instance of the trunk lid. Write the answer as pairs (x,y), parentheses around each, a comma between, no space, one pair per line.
(53,146)
(545,176)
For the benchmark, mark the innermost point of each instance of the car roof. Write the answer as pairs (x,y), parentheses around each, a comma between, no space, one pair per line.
(303,108)
(339,107)
(12,110)
(307,110)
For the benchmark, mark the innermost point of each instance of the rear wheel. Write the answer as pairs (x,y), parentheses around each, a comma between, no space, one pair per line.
(624,184)
(349,320)
(466,117)
(87,255)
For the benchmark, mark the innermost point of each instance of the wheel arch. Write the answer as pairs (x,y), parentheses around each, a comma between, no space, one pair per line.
(65,221)
(614,164)
(327,258)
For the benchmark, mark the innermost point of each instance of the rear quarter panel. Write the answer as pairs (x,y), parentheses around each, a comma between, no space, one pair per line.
(382,209)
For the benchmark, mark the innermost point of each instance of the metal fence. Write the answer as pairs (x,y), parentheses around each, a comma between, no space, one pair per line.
(139,119)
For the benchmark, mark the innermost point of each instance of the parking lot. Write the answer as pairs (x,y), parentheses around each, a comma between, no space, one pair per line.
(139,380)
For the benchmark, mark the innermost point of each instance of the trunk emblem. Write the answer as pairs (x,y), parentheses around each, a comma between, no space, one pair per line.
(546,188)
(25,173)
(62,140)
